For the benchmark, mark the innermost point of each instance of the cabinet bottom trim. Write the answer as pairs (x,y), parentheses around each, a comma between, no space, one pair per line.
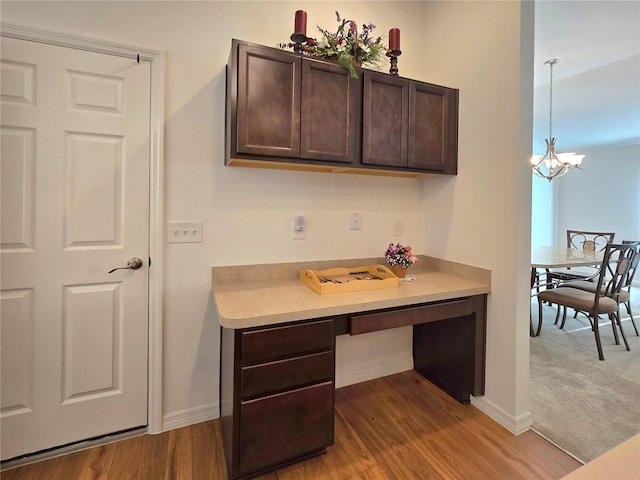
(242,162)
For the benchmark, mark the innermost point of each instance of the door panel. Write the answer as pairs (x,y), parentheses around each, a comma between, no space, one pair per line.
(75,204)
(93,170)
(17,349)
(18,188)
(91,322)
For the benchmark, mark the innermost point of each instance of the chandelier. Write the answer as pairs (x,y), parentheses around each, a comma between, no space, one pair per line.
(552,164)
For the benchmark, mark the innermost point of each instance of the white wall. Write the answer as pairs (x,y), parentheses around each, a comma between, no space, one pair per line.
(480,217)
(604,196)
(544,206)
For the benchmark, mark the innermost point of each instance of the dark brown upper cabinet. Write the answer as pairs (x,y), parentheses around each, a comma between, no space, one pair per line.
(385,120)
(409,124)
(267,102)
(331,102)
(288,111)
(284,106)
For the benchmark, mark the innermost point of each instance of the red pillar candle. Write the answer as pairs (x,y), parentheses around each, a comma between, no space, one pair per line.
(394,39)
(301,22)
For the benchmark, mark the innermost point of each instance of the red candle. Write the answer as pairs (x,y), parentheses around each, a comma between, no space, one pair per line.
(301,22)
(394,39)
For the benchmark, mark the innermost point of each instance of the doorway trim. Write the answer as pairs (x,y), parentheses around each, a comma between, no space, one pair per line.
(156,183)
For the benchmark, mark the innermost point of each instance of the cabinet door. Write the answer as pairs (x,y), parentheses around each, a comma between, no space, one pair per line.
(331,113)
(432,127)
(268,102)
(385,120)
(283,427)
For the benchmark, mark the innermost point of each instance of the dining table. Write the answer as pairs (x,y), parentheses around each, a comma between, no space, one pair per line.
(548,257)
(559,257)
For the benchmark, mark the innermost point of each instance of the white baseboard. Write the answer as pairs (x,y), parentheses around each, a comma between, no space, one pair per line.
(515,425)
(204,413)
(191,416)
(344,379)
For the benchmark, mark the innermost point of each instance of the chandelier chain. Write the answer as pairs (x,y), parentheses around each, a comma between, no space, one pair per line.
(550,97)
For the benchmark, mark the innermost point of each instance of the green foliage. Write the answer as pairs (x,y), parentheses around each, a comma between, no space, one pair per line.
(347,46)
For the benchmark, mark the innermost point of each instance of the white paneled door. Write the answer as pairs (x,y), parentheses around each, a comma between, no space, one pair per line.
(74,205)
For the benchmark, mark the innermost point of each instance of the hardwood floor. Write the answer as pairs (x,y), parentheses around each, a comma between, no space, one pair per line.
(398,427)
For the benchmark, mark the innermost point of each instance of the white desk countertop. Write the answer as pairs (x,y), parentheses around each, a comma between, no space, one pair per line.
(256,295)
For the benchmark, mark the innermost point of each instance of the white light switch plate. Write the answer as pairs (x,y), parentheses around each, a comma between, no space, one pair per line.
(185,232)
(355,221)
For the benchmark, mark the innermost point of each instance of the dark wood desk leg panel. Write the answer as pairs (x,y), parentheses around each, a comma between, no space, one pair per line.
(229,389)
(451,353)
(480,310)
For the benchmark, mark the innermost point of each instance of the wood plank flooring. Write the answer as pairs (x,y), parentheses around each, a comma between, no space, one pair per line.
(398,427)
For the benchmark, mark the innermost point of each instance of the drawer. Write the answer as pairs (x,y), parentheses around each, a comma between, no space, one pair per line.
(372,322)
(283,427)
(286,374)
(286,341)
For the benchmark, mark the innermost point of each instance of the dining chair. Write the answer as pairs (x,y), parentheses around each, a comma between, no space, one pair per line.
(534,278)
(593,241)
(588,242)
(626,288)
(614,269)
(625,292)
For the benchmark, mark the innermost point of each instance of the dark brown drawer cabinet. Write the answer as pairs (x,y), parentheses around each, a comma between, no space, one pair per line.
(277,395)
(409,124)
(277,383)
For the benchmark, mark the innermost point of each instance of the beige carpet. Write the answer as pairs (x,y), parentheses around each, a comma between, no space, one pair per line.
(584,405)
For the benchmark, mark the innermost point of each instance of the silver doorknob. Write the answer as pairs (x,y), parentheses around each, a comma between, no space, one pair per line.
(133,264)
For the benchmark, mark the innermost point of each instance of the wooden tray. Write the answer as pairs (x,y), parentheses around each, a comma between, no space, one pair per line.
(343,280)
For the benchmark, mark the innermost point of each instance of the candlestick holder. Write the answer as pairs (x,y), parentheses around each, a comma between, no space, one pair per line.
(393,56)
(298,39)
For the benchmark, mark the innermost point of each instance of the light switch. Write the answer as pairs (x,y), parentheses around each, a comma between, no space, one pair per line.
(185,232)
(355,221)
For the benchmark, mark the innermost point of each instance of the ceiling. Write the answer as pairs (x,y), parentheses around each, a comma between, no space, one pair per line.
(596,83)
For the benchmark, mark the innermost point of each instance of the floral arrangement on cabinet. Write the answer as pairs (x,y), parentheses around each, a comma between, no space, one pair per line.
(400,255)
(346,45)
